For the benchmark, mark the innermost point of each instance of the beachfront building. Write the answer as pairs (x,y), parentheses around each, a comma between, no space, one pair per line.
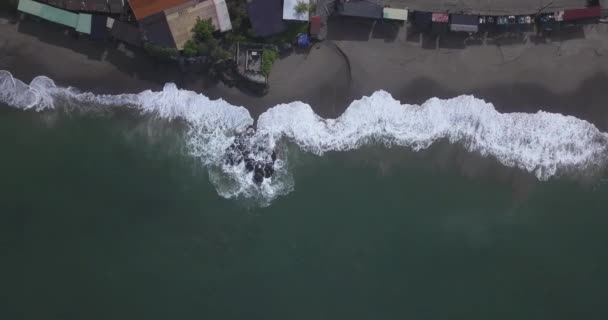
(360,8)
(80,22)
(97,6)
(464,23)
(491,7)
(266,17)
(169,23)
(373,9)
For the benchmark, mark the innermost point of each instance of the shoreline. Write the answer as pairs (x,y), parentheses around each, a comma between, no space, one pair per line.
(567,77)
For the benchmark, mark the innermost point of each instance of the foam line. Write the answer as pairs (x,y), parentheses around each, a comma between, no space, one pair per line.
(545,144)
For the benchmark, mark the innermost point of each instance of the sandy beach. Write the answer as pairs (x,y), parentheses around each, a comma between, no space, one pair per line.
(567,74)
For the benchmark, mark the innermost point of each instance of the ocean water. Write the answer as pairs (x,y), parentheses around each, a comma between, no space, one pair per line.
(128,207)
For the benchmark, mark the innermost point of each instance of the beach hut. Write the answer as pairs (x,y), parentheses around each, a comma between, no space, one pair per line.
(423,20)
(360,8)
(394,14)
(440,22)
(464,23)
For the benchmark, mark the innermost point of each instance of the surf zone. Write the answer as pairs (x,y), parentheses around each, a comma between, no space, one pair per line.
(247,161)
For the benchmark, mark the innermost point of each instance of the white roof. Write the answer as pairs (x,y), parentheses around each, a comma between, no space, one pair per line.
(223,18)
(395,14)
(289,10)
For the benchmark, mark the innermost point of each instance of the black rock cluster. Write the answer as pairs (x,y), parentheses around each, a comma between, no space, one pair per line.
(257,158)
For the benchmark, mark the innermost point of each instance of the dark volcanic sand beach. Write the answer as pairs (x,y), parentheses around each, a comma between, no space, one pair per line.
(565,76)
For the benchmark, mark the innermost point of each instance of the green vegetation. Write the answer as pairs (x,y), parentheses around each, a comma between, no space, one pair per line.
(204,43)
(160,52)
(269,56)
(302,8)
(203,30)
(190,49)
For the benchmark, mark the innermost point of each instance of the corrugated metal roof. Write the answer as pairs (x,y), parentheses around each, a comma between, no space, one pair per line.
(146,8)
(223,17)
(46,12)
(84,23)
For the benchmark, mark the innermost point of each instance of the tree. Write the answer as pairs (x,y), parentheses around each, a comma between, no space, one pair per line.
(269,56)
(301,8)
(190,48)
(203,30)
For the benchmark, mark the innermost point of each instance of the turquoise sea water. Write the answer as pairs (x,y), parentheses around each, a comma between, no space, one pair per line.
(104,216)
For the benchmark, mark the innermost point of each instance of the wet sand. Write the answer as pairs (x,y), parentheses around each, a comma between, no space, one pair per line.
(568,75)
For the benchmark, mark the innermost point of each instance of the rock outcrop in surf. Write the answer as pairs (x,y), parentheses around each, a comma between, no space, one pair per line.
(256,158)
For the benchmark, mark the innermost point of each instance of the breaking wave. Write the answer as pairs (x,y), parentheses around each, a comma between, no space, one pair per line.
(250,163)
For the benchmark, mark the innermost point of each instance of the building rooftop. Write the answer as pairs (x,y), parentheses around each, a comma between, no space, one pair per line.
(146,8)
(266,17)
(172,27)
(361,8)
(79,21)
(490,7)
(181,19)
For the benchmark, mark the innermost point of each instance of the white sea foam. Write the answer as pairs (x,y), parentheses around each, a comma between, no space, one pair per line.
(545,144)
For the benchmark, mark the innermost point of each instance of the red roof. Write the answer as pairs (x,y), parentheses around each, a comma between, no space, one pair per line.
(145,8)
(315,25)
(440,17)
(593,12)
